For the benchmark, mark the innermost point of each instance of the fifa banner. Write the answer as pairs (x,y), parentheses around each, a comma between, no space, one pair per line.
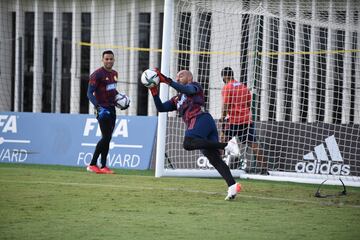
(70,139)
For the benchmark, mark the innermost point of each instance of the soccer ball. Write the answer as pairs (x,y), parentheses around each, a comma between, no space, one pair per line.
(122,101)
(149,78)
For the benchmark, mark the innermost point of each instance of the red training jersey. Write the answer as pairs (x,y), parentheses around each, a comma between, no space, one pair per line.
(105,86)
(238,98)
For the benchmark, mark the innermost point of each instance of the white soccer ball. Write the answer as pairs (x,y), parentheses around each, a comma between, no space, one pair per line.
(122,101)
(149,78)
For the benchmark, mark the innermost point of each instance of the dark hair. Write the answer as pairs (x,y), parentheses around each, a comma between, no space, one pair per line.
(107,52)
(227,72)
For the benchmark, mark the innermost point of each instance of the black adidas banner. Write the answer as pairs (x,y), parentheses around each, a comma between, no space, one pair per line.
(316,148)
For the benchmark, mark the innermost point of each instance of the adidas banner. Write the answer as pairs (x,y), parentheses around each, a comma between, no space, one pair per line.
(70,139)
(296,148)
(314,148)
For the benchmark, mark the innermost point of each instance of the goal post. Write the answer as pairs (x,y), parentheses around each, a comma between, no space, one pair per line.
(300,60)
(164,89)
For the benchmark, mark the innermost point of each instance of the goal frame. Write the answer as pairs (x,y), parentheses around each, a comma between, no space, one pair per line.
(161,171)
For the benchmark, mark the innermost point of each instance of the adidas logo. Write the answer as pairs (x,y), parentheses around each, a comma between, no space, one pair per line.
(327,160)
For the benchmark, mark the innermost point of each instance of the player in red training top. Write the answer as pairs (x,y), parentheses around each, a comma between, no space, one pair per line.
(237,113)
(201,132)
(101,93)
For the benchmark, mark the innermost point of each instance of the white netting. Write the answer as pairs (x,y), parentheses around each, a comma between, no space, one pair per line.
(301,61)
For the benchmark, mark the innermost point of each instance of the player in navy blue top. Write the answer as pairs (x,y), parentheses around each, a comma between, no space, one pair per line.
(201,131)
(101,93)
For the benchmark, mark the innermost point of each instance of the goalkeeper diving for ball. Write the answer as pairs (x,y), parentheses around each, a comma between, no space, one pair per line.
(201,132)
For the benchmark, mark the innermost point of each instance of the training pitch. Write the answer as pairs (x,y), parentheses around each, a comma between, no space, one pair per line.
(56,202)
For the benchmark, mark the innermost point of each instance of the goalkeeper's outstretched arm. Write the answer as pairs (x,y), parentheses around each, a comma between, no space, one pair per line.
(187,89)
(167,106)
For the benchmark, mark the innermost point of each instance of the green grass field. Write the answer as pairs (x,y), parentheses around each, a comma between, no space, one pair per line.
(54,202)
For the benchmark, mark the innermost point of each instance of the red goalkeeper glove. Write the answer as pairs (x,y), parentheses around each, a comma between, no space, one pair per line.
(162,77)
(154,90)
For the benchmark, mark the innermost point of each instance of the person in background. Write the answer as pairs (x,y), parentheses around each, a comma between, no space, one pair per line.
(236,113)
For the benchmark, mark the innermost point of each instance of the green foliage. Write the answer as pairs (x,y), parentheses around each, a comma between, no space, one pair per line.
(56,202)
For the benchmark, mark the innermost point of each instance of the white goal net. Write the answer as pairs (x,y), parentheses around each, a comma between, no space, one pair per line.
(300,59)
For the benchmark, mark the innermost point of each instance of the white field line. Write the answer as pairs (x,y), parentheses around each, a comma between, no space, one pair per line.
(277,199)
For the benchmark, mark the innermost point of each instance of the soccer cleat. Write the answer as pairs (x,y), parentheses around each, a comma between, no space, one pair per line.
(106,170)
(232,148)
(93,168)
(232,191)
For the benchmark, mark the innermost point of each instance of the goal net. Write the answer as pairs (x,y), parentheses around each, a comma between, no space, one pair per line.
(300,60)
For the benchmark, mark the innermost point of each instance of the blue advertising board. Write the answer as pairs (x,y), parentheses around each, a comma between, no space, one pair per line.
(70,139)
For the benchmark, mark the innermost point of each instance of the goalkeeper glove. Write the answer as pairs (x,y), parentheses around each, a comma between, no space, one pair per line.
(154,90)
(162,77)
(102,113)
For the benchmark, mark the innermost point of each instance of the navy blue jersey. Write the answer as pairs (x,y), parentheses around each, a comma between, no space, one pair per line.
(189,105)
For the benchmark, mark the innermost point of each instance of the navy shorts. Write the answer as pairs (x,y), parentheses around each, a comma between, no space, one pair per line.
(244,132)
(203,127)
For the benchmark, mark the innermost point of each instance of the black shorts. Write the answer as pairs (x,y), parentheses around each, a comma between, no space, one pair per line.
(244,132)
